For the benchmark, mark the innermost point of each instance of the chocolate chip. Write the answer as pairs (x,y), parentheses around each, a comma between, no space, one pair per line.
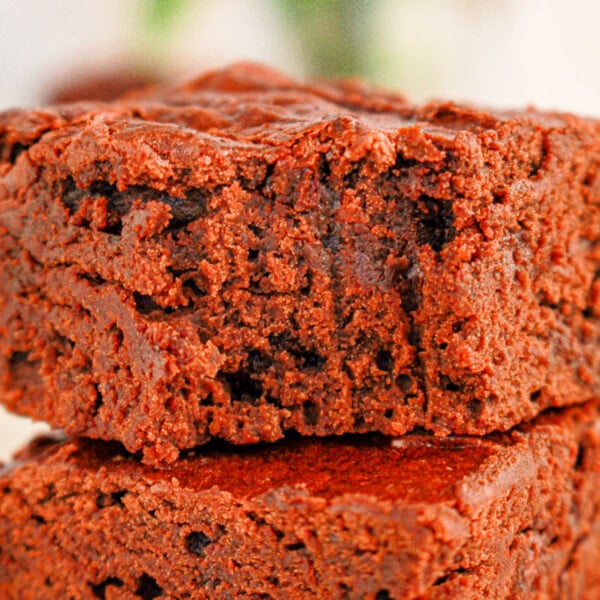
(99,589)
(196,542)
(384,360)
(404,382)
(311,413)
(148,589)
(435,222)
(113,499)
(242,387)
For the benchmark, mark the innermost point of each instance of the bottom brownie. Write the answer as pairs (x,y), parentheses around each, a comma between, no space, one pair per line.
(513,515)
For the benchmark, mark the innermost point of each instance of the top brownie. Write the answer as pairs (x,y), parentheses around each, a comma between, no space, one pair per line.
(244,255)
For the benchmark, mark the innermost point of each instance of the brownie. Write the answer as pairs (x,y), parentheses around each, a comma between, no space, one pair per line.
(244,255)
(513,515)
(97,84)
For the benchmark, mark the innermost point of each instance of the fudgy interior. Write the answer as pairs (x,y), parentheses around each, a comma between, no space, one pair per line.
(245,255)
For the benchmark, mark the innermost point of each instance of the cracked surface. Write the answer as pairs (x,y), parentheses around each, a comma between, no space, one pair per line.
(513,515)
(245,255)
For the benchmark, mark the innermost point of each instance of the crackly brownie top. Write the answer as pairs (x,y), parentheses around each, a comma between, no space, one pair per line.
(413,468)
(234,123)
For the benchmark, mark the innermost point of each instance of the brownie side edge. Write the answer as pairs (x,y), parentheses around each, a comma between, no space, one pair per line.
(513,517)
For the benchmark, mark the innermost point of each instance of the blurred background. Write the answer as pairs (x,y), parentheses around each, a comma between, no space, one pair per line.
(499,53)
(492,52)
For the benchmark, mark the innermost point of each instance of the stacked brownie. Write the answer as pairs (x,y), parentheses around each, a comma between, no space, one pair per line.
(191,274)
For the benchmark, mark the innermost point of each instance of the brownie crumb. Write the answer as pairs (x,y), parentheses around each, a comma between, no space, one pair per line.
(244,255)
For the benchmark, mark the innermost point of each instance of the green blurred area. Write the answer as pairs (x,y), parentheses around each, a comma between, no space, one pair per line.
(332,35)
(159,16)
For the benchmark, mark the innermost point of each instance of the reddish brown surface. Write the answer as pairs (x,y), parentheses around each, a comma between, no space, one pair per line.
(512,516)
(96,84)
(330,468)
(244,255)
